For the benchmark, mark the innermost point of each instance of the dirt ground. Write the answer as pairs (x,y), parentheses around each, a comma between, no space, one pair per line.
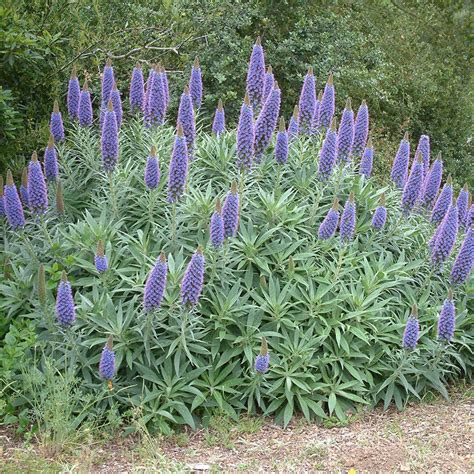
(436,437)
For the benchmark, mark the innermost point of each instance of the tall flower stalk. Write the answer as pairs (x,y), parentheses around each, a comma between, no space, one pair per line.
(51,161)
(65,310)
(109,141)
(245,136)
(424,149)
(187,119)
(345,136)
(413,186)
(156,284)
(348,220)
(307,103)
(193,280)
(216,229)
(230,211)
(13,207)
(464,262)
(137,89)
(262,361)
(412,330)
(256,75)
(443,202)
(329,225)
(100,260)
(462,203)
(268,83)
(85,113)
(107,367)
(108,81)
(327,155)
(327,104)
(56,125)
(432,183)
(73,93)
(37,189)
(218,125)
(367,160)
(361,129)
(380,215)
(399,172)
(178,171)
(195,84)
(267,122)
(447,319)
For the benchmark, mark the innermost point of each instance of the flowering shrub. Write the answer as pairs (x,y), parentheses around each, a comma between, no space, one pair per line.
(327,290)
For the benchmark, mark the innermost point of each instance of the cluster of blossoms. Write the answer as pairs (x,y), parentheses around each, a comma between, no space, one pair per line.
(258,121)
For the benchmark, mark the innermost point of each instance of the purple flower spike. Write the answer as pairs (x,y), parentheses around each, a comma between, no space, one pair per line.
(107,361)
(108,81)
(345,136)
(218,126)
(367,160)
(424,149)
(50,161)
(470,214)
(256,75)
(152,170)
(56,125)
(447,319)
(166,88)
(445,237)
(73,93)
(178,171)
(267,122)
(329,225)
(156,284)
(361,129)
(193,280)
(268,83)
(230,212)
(315,125)
(117,104)
(85,107)
(348,220)
(464,262)
(443,202)
(156,107)
(462,203)
(65,311)
(217,226)
(307,104)
(13,207)
(262,361)
(24,188)
(412,330)
(195,84)
(281,146)
(293,128)
(399,172)
(100,259)
(327,106)
(245,136)
(432,183)
(380,215)
(137,89)
(413,186)
(146,98)
(110,145)
(37,190)
(187,120)
(2,198)
(327,155)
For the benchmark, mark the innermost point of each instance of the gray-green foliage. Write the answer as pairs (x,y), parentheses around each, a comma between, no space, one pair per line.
(333,315)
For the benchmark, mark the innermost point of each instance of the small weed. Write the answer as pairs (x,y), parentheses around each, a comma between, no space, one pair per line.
(316,452)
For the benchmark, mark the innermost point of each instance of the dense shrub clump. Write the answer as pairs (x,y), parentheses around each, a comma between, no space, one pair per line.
(170,295)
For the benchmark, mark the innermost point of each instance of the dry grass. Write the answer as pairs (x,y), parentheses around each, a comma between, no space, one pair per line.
(436,436)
